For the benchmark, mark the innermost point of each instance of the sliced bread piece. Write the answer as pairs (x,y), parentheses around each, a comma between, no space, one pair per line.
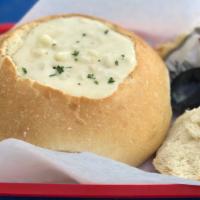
(180,153)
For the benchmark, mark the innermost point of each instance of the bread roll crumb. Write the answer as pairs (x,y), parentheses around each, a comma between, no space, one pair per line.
(180,153)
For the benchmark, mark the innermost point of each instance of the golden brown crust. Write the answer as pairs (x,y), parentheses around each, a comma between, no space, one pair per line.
(127,126)
(165,48)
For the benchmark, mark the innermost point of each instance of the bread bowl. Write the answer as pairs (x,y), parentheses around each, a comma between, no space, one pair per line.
(122,113)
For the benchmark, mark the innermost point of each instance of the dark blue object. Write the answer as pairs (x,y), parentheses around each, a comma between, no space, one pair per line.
(185,90)
(13,10)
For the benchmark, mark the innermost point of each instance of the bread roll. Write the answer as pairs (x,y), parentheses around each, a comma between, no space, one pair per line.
(77,83)
(165,49)
(180,155)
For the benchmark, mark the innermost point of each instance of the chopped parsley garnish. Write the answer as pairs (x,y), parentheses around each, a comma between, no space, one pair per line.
(116,62)
(91,76)
(123,56)
(96,82)
(111,80)
(24,70)
(99,60)
(75,53)
(54,44)
(78,83)
(59,70)
(106,32)
(84,34)
(52,75)
(77,41)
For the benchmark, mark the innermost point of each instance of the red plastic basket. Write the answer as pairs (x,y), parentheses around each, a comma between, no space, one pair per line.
(96,191)
(5,27)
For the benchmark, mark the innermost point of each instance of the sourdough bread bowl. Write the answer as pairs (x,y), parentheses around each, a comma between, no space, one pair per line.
(77,83)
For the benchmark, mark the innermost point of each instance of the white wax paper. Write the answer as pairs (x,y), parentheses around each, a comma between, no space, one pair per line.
(156,21)
(23,162)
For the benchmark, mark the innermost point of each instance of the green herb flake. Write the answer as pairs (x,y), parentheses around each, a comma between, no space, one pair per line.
(84,34)
(116,62)
(59,70)
(51,75)
(24,70)
(77,41)
(75,59)
(106,32)
(123,56)
(99,60)
(96,82)
(75,53)
(91,76)
(111,80)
